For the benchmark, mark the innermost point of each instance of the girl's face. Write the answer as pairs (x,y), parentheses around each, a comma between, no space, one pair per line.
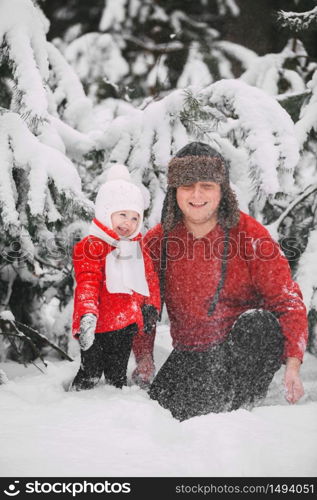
(125,222)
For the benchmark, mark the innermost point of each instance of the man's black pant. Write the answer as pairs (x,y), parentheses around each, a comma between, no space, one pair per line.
(227,376)
(109,354)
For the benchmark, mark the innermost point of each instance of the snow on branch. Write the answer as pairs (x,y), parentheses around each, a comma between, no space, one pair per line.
(68,88)
(41,166)
(298,21)
(260,131)
(96,56)
(262,127)
(113,15)
(118,14)
(308,117)
(307,271)
(145,140)
(148,136)
(265,72)
(228,6)
(22,32)
(195,71)
(245,56)
(178,18)
(77,144)
(23,37)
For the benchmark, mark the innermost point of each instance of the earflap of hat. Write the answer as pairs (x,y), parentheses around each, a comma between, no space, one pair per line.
(171,213)
(228,212)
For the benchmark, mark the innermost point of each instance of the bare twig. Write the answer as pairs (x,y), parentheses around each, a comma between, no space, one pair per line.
(27,339)
(160,48)
(45,339)
(307,191)
(23,336)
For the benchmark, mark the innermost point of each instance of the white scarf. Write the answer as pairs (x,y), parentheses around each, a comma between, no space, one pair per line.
(124,266)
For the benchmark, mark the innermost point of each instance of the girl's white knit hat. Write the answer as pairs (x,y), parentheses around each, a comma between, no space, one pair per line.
(119,193)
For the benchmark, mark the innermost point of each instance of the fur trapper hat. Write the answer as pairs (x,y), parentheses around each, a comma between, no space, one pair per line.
(198,162)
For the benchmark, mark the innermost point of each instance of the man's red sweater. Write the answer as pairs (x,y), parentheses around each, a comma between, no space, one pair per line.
(258,277)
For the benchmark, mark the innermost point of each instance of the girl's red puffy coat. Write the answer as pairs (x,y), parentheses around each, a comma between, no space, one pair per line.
(114,311)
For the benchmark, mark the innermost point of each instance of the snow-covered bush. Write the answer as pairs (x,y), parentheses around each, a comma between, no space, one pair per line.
(301,220)
(97,60)
(147,48)
(40,188)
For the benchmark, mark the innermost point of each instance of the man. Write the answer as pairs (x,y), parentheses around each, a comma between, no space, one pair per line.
(235,313)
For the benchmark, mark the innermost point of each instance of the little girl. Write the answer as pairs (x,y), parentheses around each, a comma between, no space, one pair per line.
(117,290)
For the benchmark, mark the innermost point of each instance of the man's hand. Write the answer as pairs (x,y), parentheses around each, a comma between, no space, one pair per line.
(294,389)
(144,372)
(87,331)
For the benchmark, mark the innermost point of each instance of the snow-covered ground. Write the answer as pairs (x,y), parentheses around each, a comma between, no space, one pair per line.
(47,431)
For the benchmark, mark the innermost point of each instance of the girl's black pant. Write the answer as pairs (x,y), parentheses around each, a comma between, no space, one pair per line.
(225,377)
(108,355)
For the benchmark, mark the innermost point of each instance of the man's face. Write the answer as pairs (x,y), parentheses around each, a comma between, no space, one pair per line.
(199,202)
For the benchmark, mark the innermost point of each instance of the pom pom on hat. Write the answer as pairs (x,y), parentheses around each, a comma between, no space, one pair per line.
(119,193)
(118,171)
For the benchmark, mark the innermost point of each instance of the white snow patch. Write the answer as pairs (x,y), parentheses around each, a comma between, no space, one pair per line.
(106,431)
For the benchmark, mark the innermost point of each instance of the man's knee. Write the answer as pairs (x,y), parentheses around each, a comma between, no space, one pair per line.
(258,317)
(257,330)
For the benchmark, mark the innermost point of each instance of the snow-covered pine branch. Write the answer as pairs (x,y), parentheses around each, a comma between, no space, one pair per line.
(181,21)
(69,141)
(195,71)
(23,30)
(96,57)
(246,57)
(114,14)
(185,31)
(37,181)
(298,21)
(307,122)
(22,34)
(256,122)
(307,271)
(68,91)
(270,72)
(144,140)
(253,129)
(228,6)
(119,13)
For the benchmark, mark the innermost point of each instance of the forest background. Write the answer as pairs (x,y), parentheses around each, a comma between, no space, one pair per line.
(85,84)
